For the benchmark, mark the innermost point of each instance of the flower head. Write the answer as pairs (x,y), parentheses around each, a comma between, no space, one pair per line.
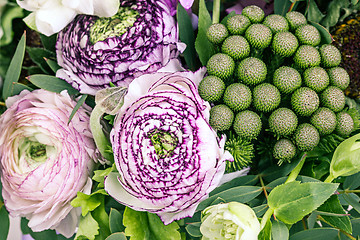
(167,155)
(45,161)
(229,221)
(51,16)
(140,38)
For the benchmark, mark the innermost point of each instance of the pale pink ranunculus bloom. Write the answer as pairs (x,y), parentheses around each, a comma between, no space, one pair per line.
(45,161)
(51,16)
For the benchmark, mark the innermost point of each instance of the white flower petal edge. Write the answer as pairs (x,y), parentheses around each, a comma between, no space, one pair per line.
(51,16)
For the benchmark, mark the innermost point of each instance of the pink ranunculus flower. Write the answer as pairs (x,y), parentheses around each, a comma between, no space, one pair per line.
(45,161)
(167,156)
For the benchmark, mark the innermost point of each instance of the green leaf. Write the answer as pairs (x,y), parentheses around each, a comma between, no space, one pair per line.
(14,70)
(162,231)
(240,181)
(265,233)
(194,229)
(186,35)
(279,231)
(352,201)
(315,233)
(314,14)
(102,218)
(334,12)
(260,210)
(281,7)
(38,56)
(352,182)
(7,17)
(53,65)
(99,175)
(87,202)
(115,221)
(51,83)
(49,42)
(137,224)
(294,200)
(88,228)
(146,226)
(77,106)
(5,223)
(242,194)
(332,205)
(204,48)
(326,37)
(116,236)
(19,87)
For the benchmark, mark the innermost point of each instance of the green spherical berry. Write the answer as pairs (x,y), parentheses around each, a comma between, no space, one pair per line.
(258,35)
(316,78)
(221,117)
(221,65)
(237,96)
(217,33)
(339,77)
(306,137)
(251,71)
(307,56)
(308,35)
(330,56)
(324,120)
(284,150)
(295,19)
(344,124)
(247,124)
(238,24)
(254,13)
(211,88)
(236,47)
(333,98)
(266,97)
(304,101)
(276,23)
(284,44)
(283,122)
(287,79)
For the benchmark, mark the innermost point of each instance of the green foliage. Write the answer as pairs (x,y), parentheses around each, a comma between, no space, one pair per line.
(51,83)
(87,202)
(265,233)
(88,228)
(14,70)
(241,150)
(5,222)
(7,15)
(294,200)
(39,57)
(279,231)
(202,45)
(315,233)
(116,221)
(144,225)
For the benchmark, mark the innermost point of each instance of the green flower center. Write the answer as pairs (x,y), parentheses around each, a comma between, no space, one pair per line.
(116,25)
(227,228)
(163,142)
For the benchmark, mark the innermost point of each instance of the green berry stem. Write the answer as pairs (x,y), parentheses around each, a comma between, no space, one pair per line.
(295,172)
(216,11)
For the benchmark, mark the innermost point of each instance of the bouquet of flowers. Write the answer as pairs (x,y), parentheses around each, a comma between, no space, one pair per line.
(165,119)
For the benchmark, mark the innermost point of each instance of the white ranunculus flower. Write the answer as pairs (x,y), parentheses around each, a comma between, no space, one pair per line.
(51,16)
(229,221)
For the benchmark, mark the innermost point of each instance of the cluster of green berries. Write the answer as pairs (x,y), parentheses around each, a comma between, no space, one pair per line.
(302,100)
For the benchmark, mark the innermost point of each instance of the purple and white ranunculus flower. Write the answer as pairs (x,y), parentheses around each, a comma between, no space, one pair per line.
(51,16)
(45,161)
(167,156)
(94,52)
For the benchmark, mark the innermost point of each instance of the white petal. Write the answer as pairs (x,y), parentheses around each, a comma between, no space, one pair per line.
(106,8)
(53,19)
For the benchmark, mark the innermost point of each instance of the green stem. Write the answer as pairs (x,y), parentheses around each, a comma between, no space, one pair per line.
(2,104)
(216,11)
(329,179)
(99,137)
(295,172)
(349,191)
(266,217)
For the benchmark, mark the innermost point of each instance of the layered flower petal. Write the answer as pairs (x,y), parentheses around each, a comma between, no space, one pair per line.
(141,38)
(167,156)
(45,161)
